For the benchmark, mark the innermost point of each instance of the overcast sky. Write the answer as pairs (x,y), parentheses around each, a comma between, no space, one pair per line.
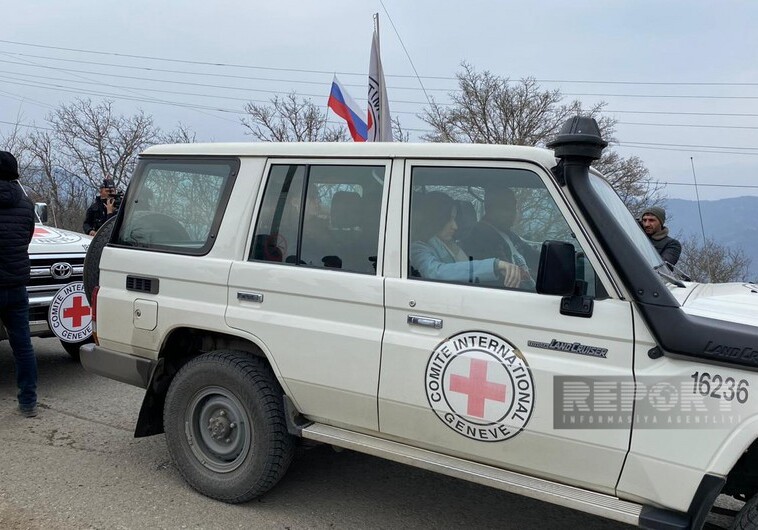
(593,51)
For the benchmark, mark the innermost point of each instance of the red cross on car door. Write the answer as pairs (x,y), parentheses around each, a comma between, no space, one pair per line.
(466,367)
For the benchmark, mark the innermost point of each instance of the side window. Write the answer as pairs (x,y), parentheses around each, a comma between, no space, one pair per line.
(276,235)
(176,206)
(322,216)
(484,227)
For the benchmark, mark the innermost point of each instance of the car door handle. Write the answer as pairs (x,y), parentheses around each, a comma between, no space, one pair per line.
(249,297)
(428,322)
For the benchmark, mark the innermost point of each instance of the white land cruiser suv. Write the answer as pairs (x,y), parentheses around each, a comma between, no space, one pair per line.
(488,312)
(57,259)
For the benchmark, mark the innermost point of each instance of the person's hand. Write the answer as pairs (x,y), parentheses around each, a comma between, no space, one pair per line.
(91,233)
(110,205)
(511,273)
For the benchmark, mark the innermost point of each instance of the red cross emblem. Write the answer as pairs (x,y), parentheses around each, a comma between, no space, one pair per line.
(77,311)
(40,232)
(477,388)
(480,386)
(70,316)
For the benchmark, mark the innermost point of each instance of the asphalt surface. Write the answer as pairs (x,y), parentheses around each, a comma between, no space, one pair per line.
(77,465)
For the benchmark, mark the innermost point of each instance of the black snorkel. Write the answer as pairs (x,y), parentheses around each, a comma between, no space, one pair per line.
(578,144)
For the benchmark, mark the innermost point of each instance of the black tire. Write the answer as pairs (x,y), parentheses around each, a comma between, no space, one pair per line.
(92,259)
(747,518)
(72,348)
(225,426)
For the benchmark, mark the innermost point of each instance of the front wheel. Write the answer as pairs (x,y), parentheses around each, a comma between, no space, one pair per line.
(72,348)
(225,426)
(747,518)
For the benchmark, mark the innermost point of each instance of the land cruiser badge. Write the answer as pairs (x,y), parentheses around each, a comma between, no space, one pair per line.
(480,386)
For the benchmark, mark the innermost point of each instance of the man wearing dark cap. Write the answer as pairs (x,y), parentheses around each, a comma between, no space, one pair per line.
(653,221)
(16,231)
(102,209)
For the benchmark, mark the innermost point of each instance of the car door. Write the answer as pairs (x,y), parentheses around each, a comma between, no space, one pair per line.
(309,290)
(474,369)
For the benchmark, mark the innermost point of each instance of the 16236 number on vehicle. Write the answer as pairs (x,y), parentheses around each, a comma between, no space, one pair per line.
(718,387)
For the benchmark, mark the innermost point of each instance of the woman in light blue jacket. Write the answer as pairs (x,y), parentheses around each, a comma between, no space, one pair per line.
(436,255)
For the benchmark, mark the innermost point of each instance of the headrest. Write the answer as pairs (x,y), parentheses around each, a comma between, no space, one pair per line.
(466,218)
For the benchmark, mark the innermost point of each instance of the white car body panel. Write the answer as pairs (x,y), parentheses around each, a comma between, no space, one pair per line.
(343,351)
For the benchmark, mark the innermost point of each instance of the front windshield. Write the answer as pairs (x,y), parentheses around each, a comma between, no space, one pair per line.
(628,223)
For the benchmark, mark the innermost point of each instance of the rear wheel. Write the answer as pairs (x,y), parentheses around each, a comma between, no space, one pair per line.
(225,426)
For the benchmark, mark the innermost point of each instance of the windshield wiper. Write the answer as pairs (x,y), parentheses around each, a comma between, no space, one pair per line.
(666,276)
(679,272)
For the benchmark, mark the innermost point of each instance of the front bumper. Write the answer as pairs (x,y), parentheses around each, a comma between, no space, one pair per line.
(37,328)
(129,369)
(39,307)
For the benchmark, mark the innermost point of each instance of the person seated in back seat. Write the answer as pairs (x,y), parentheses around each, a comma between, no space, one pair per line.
(316,248)
(436,255)
(350,239)
(465,218)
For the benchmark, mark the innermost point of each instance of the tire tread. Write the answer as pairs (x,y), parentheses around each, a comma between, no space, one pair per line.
(256,374)
(747,518)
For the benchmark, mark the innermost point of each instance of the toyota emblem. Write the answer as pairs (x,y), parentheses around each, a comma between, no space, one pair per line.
(61,270)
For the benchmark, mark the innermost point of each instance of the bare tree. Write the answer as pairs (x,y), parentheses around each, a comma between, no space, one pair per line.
(631,180)
(290,119)
(37,169)
(712,262)
(95,142)
(13,142)
(63,164)
(49,180)
(398,133)
(494,110)
(181,135)
(487,109)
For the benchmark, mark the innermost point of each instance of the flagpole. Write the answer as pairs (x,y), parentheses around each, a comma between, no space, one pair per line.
(380,126)
(378,44)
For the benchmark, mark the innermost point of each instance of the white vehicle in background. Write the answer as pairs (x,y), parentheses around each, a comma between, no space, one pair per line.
(57,260)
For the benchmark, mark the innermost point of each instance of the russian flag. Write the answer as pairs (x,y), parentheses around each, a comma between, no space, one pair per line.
(346,108)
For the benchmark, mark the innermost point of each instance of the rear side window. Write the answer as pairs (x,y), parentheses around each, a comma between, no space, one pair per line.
(321,216)
(176,205)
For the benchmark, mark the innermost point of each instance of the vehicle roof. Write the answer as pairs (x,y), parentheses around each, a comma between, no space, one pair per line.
(365,150)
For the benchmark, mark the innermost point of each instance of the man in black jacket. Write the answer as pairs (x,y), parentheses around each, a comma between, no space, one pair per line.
(493,237)
(103,208)
(16,231)
(653,220)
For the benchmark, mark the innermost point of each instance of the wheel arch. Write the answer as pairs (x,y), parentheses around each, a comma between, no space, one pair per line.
(742,480)
(181,345)
(735,459)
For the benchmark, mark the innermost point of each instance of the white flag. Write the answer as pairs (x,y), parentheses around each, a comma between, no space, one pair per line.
(379,123)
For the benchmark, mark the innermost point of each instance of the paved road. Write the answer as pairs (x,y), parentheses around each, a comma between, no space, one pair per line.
(77,466)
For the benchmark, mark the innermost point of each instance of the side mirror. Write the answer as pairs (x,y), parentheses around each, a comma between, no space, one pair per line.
(557,269)
(40,208)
